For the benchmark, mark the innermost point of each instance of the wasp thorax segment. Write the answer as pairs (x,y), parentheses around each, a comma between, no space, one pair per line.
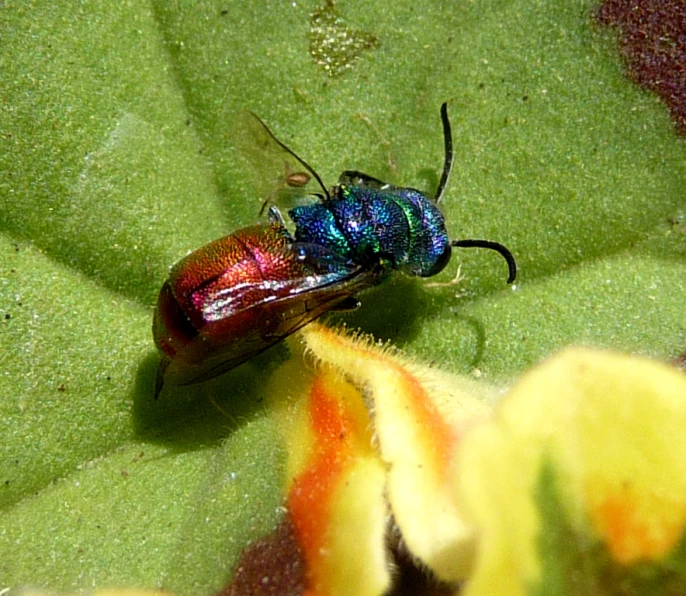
(399,227)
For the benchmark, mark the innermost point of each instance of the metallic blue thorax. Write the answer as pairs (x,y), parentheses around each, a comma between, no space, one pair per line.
(398,227)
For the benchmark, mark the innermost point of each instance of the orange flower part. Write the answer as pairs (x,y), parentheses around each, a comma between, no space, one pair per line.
(419,415)
(585,456)
(335,496)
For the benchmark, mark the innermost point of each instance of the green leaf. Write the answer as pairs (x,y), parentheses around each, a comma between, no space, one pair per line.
(117,160)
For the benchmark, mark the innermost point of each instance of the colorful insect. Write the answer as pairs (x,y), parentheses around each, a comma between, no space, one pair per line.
(235,297)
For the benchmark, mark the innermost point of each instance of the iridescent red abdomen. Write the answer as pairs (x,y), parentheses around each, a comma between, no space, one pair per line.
(220,267)
(236,296)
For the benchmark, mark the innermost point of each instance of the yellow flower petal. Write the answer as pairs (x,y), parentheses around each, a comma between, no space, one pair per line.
(600,434)
(417,440)
(336,491)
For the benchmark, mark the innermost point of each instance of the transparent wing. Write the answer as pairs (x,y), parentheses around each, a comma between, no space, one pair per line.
(278,175)
(357,178)
(269,311)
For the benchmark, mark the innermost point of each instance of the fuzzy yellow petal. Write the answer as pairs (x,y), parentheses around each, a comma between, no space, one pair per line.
(598,439)
(335,483)
(419,415)
(358,560)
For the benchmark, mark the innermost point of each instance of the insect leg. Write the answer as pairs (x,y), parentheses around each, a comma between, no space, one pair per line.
(347,304)
(274,216)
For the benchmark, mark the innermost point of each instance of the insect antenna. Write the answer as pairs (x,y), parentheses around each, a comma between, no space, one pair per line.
(448,161)
(300,160)
(504,252)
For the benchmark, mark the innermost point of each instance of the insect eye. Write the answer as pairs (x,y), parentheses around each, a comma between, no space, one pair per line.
(440,263)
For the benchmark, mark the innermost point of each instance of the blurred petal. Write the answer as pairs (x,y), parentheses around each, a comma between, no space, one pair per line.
(581,475)
(105,592)
(271,565)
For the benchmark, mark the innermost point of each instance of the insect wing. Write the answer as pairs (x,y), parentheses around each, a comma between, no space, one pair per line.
(246,316)
(277,175)
(356,178)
